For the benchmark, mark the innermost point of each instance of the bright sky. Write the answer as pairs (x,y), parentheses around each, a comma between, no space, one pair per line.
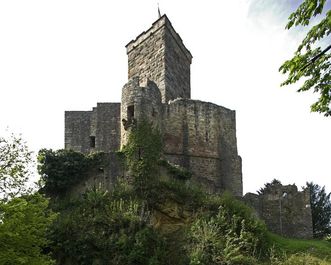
(69,55)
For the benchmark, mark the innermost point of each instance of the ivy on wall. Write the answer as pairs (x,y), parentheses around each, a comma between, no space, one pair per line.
(142,153)
(63,169)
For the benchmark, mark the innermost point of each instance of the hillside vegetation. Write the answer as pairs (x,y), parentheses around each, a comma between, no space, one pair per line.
(154,220)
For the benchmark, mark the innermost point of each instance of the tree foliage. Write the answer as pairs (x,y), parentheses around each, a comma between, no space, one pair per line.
(24,222)
(269,186)
(321,210)
(63,168)
(24,219)
(15,167)
(311,60)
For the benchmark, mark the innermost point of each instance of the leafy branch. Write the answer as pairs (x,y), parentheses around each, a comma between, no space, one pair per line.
(310,61)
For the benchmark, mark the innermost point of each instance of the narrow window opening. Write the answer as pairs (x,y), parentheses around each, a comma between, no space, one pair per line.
(130,112)
(153,112)
(92,141)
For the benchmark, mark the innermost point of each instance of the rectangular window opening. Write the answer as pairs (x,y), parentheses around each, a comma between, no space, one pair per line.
(92,141)
(130,112)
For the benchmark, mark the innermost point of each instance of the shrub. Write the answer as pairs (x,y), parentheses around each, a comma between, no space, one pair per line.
(231,236)
(106,230)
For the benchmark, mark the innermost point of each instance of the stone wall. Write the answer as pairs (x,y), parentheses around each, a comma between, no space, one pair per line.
(96,130)
(201,137)
(101,178)
(160,56)
(177,66)
(108,127)
(77,130)
(285,210)
(198,136)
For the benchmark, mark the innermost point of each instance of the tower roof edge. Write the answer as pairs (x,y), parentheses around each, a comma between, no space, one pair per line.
(163,21)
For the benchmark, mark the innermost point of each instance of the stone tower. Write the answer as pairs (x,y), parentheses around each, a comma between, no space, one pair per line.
(160,55)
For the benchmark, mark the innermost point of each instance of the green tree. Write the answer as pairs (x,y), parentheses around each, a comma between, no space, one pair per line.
(23,225)
(24,219)
(321,210)
(311,61)
(269,186)
(15,167)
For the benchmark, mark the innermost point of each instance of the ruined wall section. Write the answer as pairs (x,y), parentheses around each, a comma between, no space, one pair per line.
(101,178)
(77,130)
(160,56)
(108,129)
(96,130)
(195,136)
(285,210)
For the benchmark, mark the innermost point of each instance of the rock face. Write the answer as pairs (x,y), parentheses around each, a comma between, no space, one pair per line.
(171,217)
(199,136)
(285,210)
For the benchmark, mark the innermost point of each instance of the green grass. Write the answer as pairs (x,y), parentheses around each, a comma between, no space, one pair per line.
(317,248)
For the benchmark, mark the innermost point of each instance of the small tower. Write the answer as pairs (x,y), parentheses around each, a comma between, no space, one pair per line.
(141,100)
(160,56)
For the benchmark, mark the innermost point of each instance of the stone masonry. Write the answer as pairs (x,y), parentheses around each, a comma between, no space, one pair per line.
(199,136)
(285,210)
(160,55)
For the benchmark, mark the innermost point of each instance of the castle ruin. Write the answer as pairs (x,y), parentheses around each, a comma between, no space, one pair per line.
(285,210)
(199,136)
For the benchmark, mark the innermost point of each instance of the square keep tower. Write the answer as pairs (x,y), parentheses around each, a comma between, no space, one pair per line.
(160,55)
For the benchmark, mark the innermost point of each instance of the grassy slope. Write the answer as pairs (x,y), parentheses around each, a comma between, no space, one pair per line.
(317,248)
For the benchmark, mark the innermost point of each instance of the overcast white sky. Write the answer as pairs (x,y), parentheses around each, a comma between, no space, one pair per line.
(69,55)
